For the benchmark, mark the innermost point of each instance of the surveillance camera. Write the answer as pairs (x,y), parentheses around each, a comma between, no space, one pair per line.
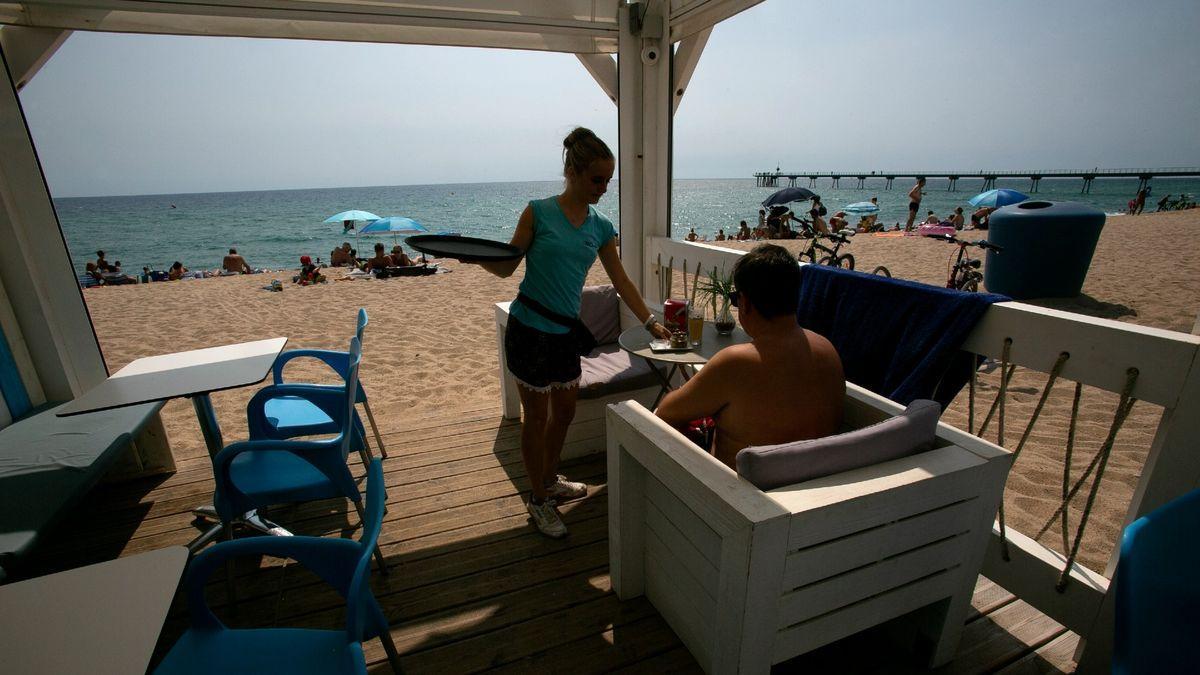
(650,55)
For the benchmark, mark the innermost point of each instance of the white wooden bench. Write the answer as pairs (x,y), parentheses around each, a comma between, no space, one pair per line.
(748,578)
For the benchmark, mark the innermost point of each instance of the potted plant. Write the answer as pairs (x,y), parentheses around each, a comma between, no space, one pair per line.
(715,288)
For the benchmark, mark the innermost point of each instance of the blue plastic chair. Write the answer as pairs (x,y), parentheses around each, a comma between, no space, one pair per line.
(292,416)
(255,474)
(208,646)
(1158,595)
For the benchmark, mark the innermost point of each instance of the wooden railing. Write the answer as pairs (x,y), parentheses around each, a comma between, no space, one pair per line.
(1101,354)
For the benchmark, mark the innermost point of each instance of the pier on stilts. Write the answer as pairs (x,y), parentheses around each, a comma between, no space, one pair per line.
(1035,176)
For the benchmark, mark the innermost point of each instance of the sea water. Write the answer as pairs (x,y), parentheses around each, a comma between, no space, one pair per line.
(272,229)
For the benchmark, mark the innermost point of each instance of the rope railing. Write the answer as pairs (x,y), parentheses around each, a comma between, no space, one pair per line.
(1097,465)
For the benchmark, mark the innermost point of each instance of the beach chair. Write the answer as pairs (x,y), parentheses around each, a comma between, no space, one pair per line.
(292,416)
(256,474)
(208,646)
(797,550)
(1158,598)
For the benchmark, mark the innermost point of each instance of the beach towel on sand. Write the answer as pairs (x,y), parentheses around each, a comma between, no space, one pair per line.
(897,338)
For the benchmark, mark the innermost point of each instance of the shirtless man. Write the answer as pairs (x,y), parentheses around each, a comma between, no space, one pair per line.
(340,257)
(399,258)
(957,218)
(235,263)
(380,261)
(914,203)
(786,385)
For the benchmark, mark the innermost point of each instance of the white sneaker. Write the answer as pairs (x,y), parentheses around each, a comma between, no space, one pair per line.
(564,490)
(546,519)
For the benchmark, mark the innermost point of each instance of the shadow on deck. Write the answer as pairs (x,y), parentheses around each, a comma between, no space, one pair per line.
(472,586)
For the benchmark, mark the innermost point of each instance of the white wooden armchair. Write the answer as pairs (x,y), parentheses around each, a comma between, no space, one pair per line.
(749,578)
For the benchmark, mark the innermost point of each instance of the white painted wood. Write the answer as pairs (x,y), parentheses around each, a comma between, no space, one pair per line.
(1101,350)
(199,371)
(102,618)
(698,534)
(689,17)
(626,520)
(795,640)
(846,589)
(510,398)
(811,564)
(28,49)
(577,26)
(46,299)
(685,608)
(20,350)
(1032,573)
(629,155)
(852,581)
(603,69)
(690,560)
(687,55)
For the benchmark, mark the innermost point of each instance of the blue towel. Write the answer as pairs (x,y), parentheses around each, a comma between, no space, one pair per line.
(900,339)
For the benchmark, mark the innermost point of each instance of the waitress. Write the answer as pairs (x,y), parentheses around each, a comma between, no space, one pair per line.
(561,237)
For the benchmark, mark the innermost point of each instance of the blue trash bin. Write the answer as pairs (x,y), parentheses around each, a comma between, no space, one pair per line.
(1048,248)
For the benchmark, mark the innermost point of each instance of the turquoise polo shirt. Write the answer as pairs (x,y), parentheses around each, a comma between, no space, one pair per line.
(558,261)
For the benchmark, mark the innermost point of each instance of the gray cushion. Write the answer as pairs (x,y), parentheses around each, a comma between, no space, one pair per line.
(600,311)
(772,466)
(610,370)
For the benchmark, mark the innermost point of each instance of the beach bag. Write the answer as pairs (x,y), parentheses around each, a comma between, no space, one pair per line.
(585,342)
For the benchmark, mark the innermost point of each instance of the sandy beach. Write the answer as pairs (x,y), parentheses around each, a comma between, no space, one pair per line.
(431,347)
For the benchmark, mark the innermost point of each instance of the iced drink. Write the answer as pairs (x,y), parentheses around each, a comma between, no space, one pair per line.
(695,329)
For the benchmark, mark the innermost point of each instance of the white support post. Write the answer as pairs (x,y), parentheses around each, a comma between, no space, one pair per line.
(46,299)
(686,58)
(28,49)
(603,69)
(644,112)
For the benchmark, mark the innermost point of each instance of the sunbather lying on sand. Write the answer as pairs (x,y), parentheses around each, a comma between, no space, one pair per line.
(786,385)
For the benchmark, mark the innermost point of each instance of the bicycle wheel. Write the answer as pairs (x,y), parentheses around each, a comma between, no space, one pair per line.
(808,256)
(883,271)
(845,260)
(825,261)
(971,285)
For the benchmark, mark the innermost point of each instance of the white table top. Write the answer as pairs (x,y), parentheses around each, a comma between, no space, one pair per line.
(102,618)
(199,371)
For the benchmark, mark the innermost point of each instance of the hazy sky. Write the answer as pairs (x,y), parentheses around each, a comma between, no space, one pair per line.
(801,84)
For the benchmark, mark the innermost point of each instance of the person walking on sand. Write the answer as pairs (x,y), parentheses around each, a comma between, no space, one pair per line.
(914,203)
(1140,202)
(235,263)
(561,237)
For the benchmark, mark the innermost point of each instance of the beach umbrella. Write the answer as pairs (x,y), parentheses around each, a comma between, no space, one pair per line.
(353,214)
(862,209)
(394,225)
(787,195)
(997,198)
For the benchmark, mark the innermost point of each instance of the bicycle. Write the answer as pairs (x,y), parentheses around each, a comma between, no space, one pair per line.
(964,274)
(834,259)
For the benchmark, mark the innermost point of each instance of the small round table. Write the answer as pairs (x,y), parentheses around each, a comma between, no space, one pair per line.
(636,341)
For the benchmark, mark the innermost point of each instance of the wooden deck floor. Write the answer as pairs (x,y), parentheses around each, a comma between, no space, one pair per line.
(472,586)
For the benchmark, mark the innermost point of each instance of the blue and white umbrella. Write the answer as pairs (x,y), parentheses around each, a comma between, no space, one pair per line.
(352,215)
(997,198)
(394,225)
(862,209)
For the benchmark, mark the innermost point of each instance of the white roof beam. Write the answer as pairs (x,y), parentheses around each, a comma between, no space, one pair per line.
(603,69)
(689,17)
(686,57)
(28,49)
(566,26)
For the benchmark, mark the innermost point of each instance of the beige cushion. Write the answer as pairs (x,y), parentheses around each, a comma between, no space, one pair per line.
(600,311)
(772,466)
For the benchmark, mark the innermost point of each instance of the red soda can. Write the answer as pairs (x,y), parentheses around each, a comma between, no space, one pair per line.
(675,314)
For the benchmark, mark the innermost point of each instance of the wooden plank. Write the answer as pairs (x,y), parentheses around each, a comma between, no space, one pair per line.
(824,629)
(824,560)
(853,501)
(865,582)
(687,555)
(1002,637)
(701,537)
(1056,656)
(1101,349)
(646,645)
(987,598)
